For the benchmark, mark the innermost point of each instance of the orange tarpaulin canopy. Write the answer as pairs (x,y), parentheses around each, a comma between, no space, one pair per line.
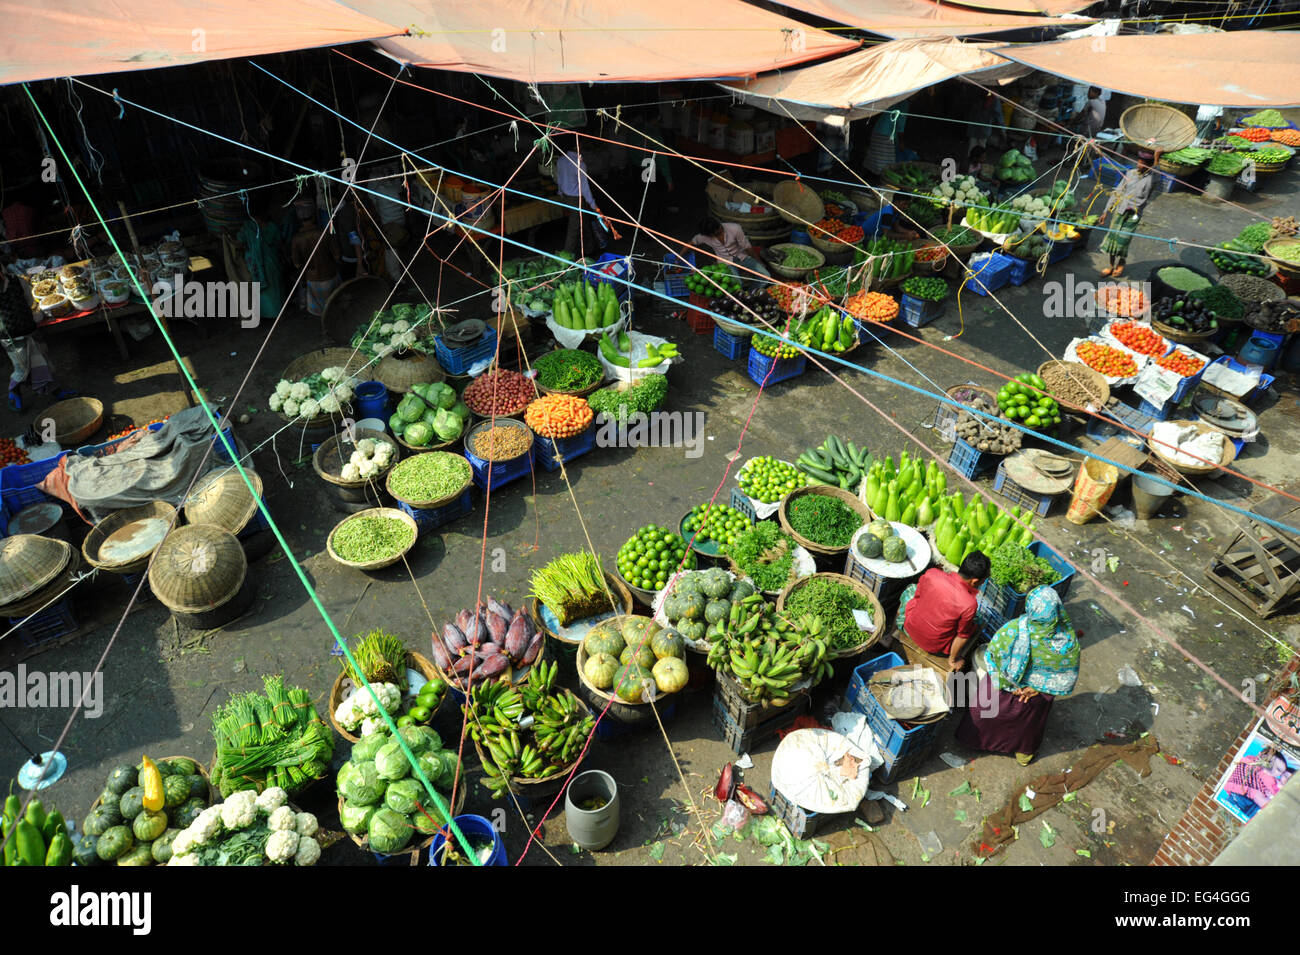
(922,18)
(1050,8)
(870,80)
(46,40)
(543,41)
(1250,68)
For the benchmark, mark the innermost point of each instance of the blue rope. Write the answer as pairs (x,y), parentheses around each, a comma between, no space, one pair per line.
(505,240)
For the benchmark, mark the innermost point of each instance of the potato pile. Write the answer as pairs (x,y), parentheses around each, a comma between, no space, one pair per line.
(983,434)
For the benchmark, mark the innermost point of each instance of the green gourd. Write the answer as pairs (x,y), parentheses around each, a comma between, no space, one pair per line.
(892,510)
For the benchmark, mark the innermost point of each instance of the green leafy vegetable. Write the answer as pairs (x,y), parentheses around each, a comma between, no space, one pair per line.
(823,520)
(1012,565)
(764,555)
(834,604)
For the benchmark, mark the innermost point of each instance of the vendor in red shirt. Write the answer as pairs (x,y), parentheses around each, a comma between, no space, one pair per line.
(937,613)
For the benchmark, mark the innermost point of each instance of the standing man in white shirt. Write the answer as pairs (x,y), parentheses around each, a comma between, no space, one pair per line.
(575,189)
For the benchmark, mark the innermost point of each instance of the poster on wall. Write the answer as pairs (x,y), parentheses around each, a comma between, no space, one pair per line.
(1259,769)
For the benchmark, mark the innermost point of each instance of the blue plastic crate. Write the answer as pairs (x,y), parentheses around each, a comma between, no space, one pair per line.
(1109,172)
(619,269)
(1059,251)
(56,620)
(782,369)
(1038,504)
(991,274)
(968,459)
(1249,398)
(893,737)
(902,767)
(545,450)
(740,502)
(1158,412)
(918,312)
(675,270)
(458,361)
(502,472)
(108,447)
(1006,603)
(428,518)
(872,223)
(219,448)
(1022,270)
(1126,415)
(727,344)
(18,484)
(800,237)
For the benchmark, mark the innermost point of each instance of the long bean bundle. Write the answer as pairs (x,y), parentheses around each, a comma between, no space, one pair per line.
(271,739)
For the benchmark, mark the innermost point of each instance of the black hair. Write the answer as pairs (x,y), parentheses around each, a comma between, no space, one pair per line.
(976,152)
(709,226)
(975,566)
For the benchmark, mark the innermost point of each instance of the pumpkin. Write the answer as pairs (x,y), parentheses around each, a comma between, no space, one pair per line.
(693,630)
(894,550)
(637,630)
(116,841)
(670,675)
(603,639)
(176,789)
(132,802)
(741,590)
(870,546)
(102,818)
(693,607)
(880,528)
(630,682)
(141,854)
(673,606)
(642,654)
(178,766)
(162,846)
(149,825)
(120,780)
(151,781)
(715,583)
(717,610)
(668,643)
(600,670)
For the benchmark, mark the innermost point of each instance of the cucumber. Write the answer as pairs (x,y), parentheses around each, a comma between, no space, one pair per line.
(822,475)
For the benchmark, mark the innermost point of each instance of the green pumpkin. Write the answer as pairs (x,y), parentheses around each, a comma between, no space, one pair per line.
(630,682)
(83,852)
(673,607)
(162,846)
(603,639)
(870,546)
(102,818)
(717,610)
(148,826)
(180,766)
(140,854)
(741,590)
(690,583)
(176,789)
(187,812)
(895,550)
(694,607)
(692,630)
(116,841)
(198,786)
(670,675)
(120,780)
(637,630)
(132,803)
(667,643)
(600,670)
(880,528)
(643,655)
(715,583)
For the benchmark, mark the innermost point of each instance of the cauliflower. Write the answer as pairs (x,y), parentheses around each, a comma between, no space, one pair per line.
(309,408)
(283,818)
(305,824)
(282,846)
(348,714)
(370,725)
(350,473)
(383,454)
(343,392)
(205,827)
(366,446)
(300,391)
(389,695)
(239,810)
(276,402)
(398,343)
(330,405)
(290,407)
(184,842)
(183,860)
(333,373)
(308,851)
(383,351)
(386,329)
(368,469)
(272,799)
(283,388)
(400,326)
(358,458)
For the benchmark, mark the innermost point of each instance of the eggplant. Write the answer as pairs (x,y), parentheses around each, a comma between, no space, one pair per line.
(453,638)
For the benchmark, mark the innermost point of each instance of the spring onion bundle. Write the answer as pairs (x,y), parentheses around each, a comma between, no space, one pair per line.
(276,739)
(573,587)
(381,657)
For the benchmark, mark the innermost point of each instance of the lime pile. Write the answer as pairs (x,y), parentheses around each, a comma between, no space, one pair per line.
(650,556)
(1024,399)
(768,480)
(716,522)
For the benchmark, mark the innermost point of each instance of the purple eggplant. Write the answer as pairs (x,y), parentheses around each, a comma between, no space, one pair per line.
(454,638)
(462,620)
(497,626)
(440,655)
(517,638)
(500,609)
(534,648)
(493,665)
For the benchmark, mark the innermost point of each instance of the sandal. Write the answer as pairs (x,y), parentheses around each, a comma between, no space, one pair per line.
(1119,270)
(62,394)
(1107,270)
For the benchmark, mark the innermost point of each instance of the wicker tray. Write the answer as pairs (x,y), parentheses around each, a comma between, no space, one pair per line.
(326,455)
(1182,338)
(75,419)
(794,273)
(398,375)
(1289,269)
(605,694)
(119,519)
(350,361)
(878,615)
(381,562)
(1096,382)
(839,494)
(830,246)
(414,661)
(1153,125)
(1229,453)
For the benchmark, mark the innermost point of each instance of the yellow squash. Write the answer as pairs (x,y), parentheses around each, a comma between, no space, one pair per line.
(151,783)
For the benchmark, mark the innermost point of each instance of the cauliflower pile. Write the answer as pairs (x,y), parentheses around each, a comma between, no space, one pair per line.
(358,710)
(368,460)
(962,191)
(290,835)
(324,393)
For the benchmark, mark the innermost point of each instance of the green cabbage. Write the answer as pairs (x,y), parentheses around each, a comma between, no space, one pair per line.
(403,312)
(451,770)
(416,740)
(396,424)
(356,819)
(364,749)
(389,831)
(461,410)
(360,784)
(411,408)
(444,394)
(391,762)
(401,796)
(447,426)
(434,741)
(426,819)
(432,765)
(418,434)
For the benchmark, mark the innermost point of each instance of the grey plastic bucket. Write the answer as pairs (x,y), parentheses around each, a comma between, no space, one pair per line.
(592,829)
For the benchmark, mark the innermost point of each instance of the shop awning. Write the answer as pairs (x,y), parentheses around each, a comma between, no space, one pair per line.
(1049,8)
(541,41)
(1250,68)
(864,83)
(923,18)
(47,40)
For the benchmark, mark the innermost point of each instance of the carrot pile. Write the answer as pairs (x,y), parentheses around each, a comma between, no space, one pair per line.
(558,416)
(10,453)
(1186,365)
(873,306)
(1126,300)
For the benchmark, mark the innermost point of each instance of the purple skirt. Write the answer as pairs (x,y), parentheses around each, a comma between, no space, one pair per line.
(1007,726)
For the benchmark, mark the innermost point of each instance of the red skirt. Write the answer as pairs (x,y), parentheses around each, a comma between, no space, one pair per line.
(1008,725)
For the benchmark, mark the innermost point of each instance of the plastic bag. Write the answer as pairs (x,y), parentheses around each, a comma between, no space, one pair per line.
(640,343)
(735,815)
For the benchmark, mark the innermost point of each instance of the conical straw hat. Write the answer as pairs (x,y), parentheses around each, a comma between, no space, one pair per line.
(197,568)
(28,562)
(221,497)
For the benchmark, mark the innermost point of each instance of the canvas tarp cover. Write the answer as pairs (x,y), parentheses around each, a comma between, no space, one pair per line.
(921,18)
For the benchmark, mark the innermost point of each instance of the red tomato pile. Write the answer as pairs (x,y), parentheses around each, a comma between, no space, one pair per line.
(835,230)
(1256,134)
(499,392)
(10,453)
(125,431)
(1181,362)
(1111,362)
(1140,338)
(929,253)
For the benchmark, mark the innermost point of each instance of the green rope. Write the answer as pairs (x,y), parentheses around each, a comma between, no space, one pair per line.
(442,807)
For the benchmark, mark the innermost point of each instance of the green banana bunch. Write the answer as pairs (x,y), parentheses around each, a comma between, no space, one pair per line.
(765,653)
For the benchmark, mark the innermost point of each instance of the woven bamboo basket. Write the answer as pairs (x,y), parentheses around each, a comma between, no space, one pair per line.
(1182,338)
(606,695)
(622,597)
(839,494)
(1229,453)
(200,769)
(413,368)
(414,661)
(1154,126)
(796,203)
(90,547)
(198,568)
(439,502)
(441,446)
(753,193)
(793,273)
(579,393)
(1093,380)
(878,616)
(540,788)
(222,498)
(352,363)
(380,562)
(1290,269)
(328,460)
(28,562)
(828,246)
(414,852)
(75,419)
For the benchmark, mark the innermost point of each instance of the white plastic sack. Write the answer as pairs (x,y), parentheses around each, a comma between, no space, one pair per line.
(574,337)
(761,509)
(640,346)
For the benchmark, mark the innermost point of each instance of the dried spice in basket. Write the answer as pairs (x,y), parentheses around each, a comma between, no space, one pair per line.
(500,443)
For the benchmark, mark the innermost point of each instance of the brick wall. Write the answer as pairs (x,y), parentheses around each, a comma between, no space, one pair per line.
(1205,829)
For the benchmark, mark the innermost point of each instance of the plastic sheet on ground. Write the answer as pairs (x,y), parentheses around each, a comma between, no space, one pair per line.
(1072,354)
